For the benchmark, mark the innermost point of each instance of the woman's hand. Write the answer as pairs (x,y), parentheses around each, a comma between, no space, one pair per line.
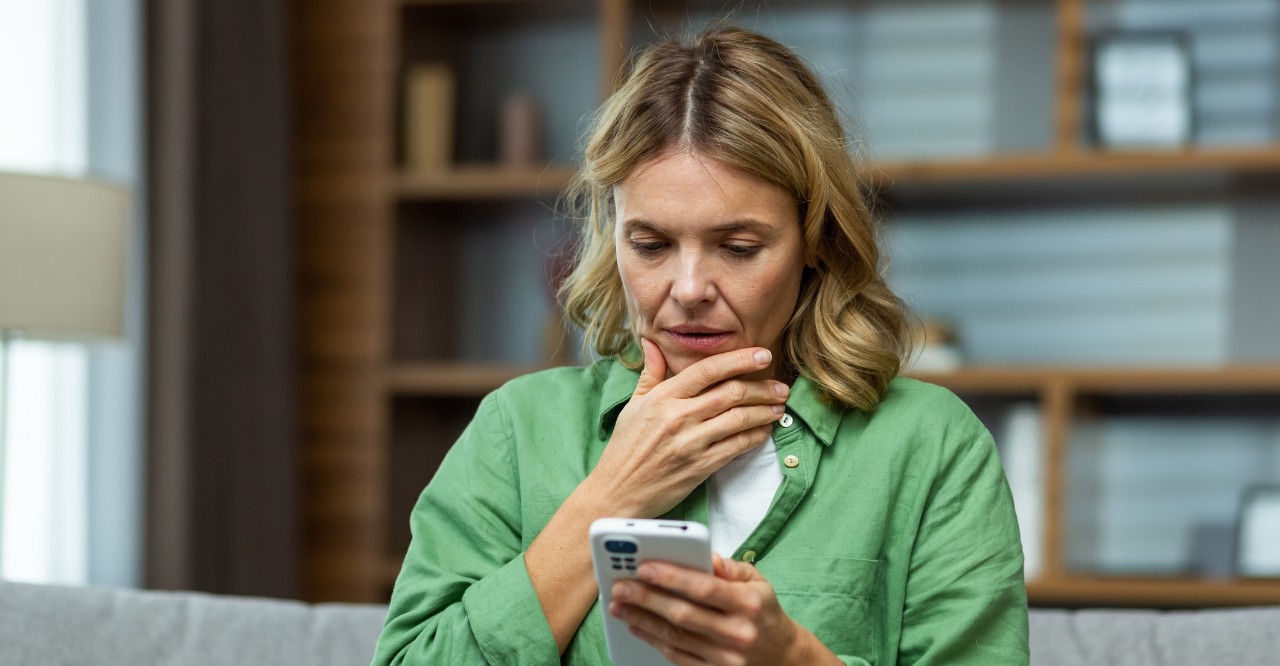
(675,432)
(732,617)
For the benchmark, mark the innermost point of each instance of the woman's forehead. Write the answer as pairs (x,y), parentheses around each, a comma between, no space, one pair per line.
(687,188)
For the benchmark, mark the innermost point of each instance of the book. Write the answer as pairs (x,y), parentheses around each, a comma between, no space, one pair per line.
(429,117)
(1022,451)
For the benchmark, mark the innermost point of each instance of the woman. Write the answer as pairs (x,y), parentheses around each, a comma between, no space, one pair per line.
(729,277)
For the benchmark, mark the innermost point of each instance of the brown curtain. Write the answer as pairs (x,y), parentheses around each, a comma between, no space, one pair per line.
(222,482)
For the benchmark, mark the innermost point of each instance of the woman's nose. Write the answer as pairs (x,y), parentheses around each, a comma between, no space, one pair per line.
(693,284)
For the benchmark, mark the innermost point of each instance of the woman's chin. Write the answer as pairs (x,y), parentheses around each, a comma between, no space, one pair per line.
(676,366)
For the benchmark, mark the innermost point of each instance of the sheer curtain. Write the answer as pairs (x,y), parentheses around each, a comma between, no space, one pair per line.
(53,499)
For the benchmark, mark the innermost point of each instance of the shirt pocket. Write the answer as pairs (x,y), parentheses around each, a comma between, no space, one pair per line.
(838,599)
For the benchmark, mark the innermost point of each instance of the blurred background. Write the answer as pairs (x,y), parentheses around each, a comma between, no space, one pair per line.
(340,235)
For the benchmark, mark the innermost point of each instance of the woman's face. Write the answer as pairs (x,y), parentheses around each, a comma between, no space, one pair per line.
(710,257)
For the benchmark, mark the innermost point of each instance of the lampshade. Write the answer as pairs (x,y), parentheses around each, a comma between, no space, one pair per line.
(62,256)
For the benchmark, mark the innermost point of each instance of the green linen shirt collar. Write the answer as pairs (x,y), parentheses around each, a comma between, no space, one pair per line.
(806,402)
(619,385)
(810,405)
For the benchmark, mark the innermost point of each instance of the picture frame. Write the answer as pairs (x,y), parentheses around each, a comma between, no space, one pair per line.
(1258,533)
(1142,88)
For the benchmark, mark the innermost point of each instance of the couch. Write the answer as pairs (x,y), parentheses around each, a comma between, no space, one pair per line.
(56,626)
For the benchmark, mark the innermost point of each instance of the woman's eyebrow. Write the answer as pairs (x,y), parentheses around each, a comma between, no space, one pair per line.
(749,225)
(632,226)
(755,226)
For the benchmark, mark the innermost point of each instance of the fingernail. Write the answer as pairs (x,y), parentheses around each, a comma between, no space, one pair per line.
(778,409)
(646,574)
(764,356)
(621,591)
(781,389)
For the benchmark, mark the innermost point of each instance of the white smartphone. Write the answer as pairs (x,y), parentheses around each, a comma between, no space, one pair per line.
(618,547)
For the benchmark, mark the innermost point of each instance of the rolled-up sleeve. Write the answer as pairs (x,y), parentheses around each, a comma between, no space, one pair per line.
(965,595)
(464,595)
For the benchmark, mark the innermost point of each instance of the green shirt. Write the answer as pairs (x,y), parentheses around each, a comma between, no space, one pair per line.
(893,539)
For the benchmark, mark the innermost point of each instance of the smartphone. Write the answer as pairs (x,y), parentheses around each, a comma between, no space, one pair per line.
(618,547)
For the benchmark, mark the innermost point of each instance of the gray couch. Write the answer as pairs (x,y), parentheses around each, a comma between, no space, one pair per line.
(45,625)
(55,626)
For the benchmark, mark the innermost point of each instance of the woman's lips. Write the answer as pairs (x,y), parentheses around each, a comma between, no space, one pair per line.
(700,342)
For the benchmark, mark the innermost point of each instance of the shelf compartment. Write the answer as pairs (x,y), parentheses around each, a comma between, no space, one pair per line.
(423,430)
(480,182)
(475,283)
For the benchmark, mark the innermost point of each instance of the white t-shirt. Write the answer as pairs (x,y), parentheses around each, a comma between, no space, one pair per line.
(739,494)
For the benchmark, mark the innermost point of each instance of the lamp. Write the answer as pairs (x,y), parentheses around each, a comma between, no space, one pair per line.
(63,244)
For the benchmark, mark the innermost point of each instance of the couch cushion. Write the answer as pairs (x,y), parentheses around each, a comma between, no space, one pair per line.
(54,625)
(1232,637)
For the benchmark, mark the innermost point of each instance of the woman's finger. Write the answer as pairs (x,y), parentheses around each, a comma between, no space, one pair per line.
(669,652)
(655,367)
(739,392)
(674,640)
(679,612)
(732,570)
(698,587)
(712,370)
(736,431)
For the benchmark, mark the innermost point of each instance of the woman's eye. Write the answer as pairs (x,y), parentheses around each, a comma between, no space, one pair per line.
(737,250)
(647,247)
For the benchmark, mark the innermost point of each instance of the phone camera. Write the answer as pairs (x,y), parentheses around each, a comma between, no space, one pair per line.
(620,546)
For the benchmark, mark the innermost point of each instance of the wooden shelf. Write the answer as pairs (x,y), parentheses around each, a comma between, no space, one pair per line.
(478,182)
(988,379)
(451,379)
(1013,379)
(1153,592)
(485,3)
(474,379)
(484,182)
(1075,165)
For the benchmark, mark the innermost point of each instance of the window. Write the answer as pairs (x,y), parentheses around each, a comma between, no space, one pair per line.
(52,500)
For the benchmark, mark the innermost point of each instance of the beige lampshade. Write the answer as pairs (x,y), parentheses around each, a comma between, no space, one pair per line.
(62,256)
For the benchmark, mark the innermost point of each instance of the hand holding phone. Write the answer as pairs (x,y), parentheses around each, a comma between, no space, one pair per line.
(618,547)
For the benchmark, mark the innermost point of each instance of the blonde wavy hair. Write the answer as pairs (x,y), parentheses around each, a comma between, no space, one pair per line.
(750,102)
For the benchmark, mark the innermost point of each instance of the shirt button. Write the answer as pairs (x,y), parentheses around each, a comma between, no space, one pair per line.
(749,556)
(791,461)
(786,421)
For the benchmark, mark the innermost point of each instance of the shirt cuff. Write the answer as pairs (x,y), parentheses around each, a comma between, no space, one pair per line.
(507,619)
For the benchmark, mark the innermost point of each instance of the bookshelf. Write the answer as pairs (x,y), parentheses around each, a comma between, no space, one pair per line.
(387,385)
